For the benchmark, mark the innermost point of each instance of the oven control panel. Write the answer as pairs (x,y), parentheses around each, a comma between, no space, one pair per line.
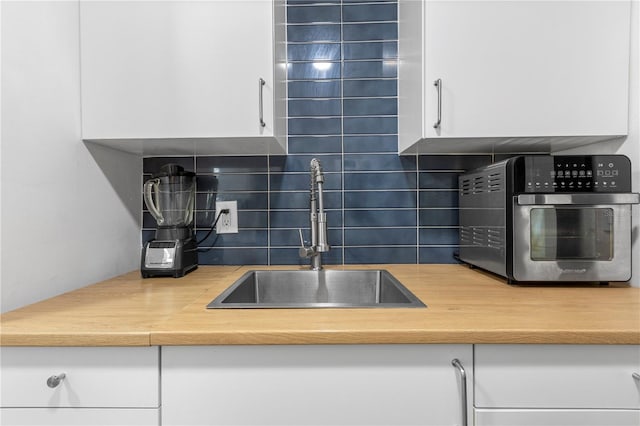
(563,173)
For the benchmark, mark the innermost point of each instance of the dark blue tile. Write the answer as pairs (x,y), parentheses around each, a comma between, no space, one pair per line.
(452,162)
(313,71)
(291,237)
(370,12)
(370,144)
(369,69)
(370,88)
(147,235)
(245,238)
(314,89)
(390,180)
(206,183)
(371,50)
(246,200)
(230,256)
(314,52)
(380,237)
(380,199)
(373,255)
(312,14)
(301,163)
(437,254)
(300,181)
(379,218)
(388,106)
(250,182)
(152,165)
(300,218)
(378,162)
(319,33)
(300,200)
(230,164)
(438,199)
(315,126)
(438,217)
(148,222)
(365,32)
(315,145)
(314,107)
(438,180)
(288,219)
(289,256)
(371,125)
(439,236)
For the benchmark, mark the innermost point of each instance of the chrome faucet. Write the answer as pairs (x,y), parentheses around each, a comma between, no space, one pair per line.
(317,220)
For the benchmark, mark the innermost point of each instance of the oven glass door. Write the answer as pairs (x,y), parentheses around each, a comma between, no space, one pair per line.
(572,233)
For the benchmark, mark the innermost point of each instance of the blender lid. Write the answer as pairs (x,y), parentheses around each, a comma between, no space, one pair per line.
(172,169)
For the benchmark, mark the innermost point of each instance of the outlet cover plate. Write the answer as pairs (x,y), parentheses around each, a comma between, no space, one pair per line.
(228,223)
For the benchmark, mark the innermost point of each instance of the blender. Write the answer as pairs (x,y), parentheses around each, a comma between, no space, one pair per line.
(170,196)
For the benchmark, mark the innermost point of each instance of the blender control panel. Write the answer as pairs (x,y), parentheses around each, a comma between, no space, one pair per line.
(595,173)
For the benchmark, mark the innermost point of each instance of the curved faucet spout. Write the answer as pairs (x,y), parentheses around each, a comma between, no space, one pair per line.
(317,218)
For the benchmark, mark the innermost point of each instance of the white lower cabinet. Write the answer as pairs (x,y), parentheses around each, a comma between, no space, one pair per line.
(315,385)
(557,385)
(80,386)
(80,416)
(487,417)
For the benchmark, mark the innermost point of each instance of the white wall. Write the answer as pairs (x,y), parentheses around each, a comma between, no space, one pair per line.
(631,145)
(70,215)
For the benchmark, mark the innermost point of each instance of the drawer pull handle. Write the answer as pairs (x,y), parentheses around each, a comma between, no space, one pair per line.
(463,392)
(261,84)
(438,84)
(54,381)
(636,376)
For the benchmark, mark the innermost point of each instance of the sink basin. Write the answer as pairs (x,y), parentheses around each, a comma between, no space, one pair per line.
(317,289)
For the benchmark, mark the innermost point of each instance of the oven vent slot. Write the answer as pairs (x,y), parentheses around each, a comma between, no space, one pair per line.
(482,183)
(495,182)
(495,238)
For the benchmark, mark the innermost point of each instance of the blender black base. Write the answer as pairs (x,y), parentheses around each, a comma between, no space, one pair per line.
(168,258)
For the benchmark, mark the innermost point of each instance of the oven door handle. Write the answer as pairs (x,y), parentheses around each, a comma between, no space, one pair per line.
(577,199)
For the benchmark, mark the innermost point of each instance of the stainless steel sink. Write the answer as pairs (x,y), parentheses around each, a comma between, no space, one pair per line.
(317,289)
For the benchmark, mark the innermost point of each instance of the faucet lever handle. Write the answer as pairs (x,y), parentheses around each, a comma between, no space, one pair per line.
(303,251)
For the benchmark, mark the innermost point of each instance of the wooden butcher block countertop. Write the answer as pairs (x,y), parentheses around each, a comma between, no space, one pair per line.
(464,306)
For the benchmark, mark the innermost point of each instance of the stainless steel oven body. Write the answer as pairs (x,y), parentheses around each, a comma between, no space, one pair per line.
(549,218)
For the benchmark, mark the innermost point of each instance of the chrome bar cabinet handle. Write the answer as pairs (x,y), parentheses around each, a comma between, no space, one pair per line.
(261,84)
(438,84)
(54,381)
(463,391)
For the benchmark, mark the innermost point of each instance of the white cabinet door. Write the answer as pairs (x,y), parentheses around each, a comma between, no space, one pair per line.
(485,417)
(79,417)
(557,376)
(319,385)
(514,69)
(179,69)
(556,385)
(109,377)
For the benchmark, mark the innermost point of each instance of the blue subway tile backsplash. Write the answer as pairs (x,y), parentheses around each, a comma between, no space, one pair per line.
(381,207)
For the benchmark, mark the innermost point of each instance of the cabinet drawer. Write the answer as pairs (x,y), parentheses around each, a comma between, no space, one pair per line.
(80,416)
(557,417)
(94,377)
(557,376)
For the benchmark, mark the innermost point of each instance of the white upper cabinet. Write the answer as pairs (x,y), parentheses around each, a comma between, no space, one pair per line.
(162,77)
(513,75)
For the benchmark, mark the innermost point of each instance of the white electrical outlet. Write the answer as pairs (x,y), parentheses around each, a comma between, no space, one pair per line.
(228,222)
